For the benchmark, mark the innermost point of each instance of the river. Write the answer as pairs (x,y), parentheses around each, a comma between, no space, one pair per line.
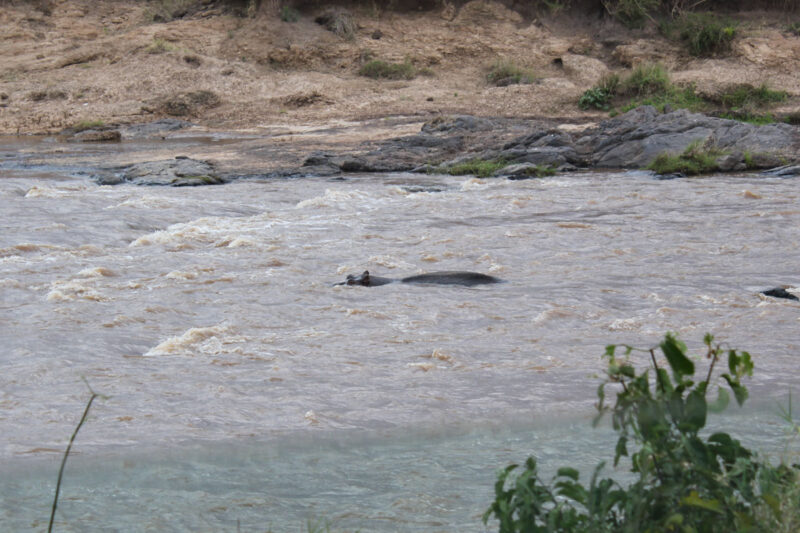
(243,391)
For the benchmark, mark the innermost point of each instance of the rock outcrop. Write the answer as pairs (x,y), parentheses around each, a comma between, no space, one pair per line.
(178,172)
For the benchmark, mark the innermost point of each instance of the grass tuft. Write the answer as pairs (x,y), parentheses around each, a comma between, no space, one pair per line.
(746,96)
(646,79)
(159,46)
(87,125)
(505,72)
(338,21)
(377,69)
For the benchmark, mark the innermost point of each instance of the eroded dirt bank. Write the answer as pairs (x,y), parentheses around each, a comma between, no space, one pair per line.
(108,61)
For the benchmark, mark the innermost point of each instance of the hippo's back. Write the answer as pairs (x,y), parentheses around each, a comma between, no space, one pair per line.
(455,277)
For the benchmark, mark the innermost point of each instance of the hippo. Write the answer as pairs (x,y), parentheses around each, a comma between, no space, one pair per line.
(449,277)
(780,292)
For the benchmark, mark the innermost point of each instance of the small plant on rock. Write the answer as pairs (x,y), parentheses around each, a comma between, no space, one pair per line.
(482,168)
(698,158)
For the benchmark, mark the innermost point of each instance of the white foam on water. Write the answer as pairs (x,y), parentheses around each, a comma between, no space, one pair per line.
(43,191)
(70,290)
(334,198)
(197,341)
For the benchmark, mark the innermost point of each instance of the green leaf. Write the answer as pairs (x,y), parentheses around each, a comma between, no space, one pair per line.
(694,500)
(572,490)
(621,449)
(722,401)
(664,383)
(739,390)
(568,472)
(674,351)
(696,409)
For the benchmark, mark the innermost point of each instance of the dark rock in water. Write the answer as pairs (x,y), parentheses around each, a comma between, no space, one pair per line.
(97,135)
(780,292)
(786,171)
(457,277)
(673,176)
(519,171)
(173,172)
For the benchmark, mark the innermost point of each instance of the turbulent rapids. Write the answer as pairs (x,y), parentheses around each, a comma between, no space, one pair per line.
(207,314)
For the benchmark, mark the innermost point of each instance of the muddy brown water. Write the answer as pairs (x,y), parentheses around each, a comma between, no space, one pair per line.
(244,387)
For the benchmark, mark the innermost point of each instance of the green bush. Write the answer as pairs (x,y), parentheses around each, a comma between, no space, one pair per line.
(289,14)
(794,28)
(704,34)
(505,72)
(377,69)
(684,480)
(647,84)
(596,97)
(698,158)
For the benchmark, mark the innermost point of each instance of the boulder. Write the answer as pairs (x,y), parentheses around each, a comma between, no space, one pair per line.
(634,139)
(97,135)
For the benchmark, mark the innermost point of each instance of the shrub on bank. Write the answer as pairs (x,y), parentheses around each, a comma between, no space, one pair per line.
(646,84)
(377,69)
(684,480)
(703,34)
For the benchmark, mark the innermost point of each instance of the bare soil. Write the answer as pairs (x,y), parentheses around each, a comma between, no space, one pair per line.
(106,60)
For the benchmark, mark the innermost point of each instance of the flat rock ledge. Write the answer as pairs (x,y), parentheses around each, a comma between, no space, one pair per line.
(178,172)
(630,141)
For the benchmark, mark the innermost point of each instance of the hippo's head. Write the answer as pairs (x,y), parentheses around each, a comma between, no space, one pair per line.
(363,279)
